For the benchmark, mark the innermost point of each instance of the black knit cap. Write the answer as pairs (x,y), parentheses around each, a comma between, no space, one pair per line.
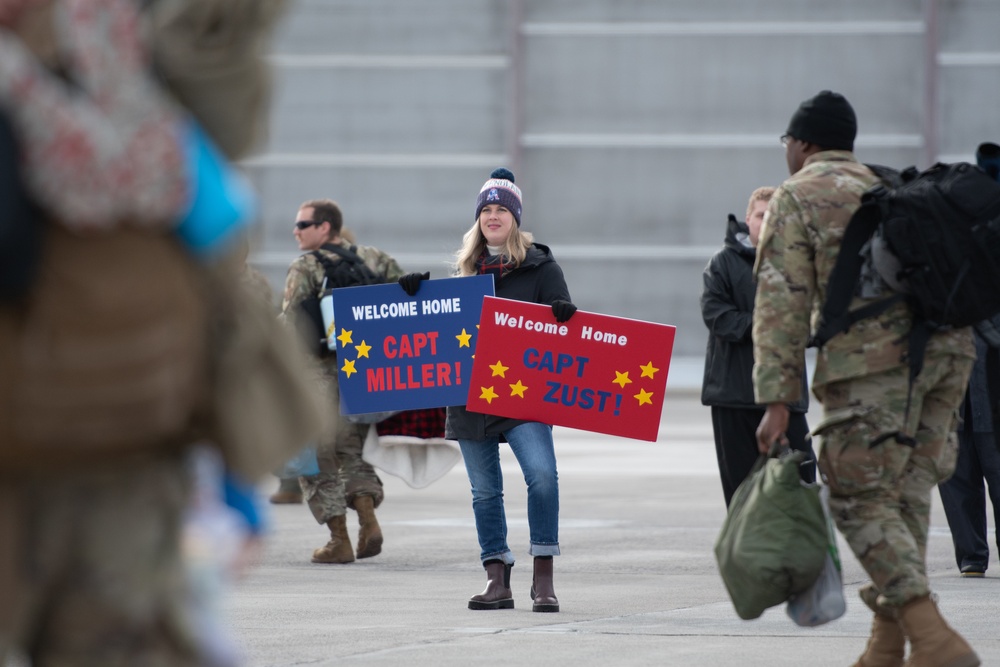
(988,158)
(826,120)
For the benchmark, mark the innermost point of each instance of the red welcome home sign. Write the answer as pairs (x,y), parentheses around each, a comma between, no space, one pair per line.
(595,372)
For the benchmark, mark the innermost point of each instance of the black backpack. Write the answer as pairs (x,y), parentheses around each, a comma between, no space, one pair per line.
(350,271)
(939,236)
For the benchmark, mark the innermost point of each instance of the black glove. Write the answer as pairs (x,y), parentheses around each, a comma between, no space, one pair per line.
(563,310)
(411,281)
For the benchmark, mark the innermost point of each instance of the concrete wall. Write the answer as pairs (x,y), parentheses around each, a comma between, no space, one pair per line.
(633,127)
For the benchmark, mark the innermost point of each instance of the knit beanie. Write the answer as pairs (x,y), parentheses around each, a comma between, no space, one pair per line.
(500,189)
(988,158)
(826,120)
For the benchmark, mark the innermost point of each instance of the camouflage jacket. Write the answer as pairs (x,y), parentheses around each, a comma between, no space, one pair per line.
(798,248)
(305,275)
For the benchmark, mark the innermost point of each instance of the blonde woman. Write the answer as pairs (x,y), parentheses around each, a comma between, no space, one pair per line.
(525,271)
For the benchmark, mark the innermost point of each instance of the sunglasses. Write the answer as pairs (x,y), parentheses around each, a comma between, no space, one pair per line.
(306,224)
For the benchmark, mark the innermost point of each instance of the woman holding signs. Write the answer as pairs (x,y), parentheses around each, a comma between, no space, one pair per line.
(524,271)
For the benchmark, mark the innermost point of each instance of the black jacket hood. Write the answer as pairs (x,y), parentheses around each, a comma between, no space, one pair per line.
(738,237)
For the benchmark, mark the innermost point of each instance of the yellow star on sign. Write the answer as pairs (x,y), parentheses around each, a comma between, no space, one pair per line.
(488,394)
(644,396)
(648,371)
(345,337)
(621,379)
(517,389)
(363,350)
(349,367)
(499,369)
(463,339)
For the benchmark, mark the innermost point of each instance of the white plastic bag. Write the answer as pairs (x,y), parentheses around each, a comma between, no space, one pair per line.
(824,600)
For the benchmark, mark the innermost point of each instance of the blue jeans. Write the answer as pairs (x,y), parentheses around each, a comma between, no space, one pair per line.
(532,446)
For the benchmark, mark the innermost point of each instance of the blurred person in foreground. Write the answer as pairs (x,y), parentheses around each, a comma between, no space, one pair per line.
(727,299)
(879,459)
(91,571)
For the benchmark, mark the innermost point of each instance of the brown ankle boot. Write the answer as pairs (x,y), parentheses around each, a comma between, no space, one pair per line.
(887,645)
(543,594)
(338,549)
(289,492)
(370,534)
(933,643)
(497,594)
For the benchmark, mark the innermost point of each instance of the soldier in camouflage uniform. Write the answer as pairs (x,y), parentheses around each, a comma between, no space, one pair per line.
(345,480)
(881,456)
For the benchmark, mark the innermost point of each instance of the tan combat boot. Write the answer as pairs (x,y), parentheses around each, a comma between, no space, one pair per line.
(370,534)
(497,594)
(933,643)
(338,549)
(887,644)
(289,492)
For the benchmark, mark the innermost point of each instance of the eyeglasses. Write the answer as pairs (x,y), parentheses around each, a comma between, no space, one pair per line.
(306,224)
(784,139)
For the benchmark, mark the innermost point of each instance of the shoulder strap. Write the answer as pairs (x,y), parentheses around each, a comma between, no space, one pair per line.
(323,260)
(835,316)
(351,255)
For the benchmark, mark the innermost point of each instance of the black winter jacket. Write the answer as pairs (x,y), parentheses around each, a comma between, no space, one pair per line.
(537,280)
(727,302)
(976,406)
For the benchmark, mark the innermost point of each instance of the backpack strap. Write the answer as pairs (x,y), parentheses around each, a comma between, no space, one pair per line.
(835,316)
(325,263)
(351,255)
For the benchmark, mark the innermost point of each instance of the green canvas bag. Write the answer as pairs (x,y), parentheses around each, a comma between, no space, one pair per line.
(774,540)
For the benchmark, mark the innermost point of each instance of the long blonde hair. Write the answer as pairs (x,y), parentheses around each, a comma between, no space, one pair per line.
(515,249)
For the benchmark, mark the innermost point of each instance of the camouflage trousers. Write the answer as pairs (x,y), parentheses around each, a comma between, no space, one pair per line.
(90,568)
(343,474)
(882,463)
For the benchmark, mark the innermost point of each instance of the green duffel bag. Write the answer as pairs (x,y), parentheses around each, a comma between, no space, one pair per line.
(774,540)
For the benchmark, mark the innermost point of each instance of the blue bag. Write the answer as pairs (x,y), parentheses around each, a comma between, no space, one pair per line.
(222,200)
(303,464)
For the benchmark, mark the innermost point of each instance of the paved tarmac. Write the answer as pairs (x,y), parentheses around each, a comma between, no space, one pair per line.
(637,581)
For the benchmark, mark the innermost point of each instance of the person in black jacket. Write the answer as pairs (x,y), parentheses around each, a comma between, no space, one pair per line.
(524,271)
(727,308)
(964,494)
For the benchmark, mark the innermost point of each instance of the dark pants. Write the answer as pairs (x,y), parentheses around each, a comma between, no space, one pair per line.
(964,498)
(736,444)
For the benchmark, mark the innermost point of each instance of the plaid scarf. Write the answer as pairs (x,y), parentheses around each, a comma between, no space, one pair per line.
(493,264)
(426,423)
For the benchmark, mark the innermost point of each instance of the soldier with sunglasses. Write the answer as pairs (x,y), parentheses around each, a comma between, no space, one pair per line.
(344,480)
